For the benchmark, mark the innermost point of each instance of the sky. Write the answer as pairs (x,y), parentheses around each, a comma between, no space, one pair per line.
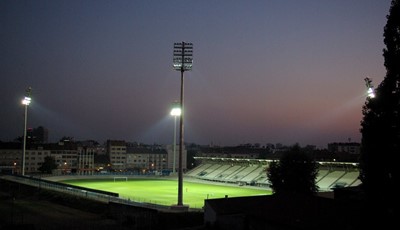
(276,71)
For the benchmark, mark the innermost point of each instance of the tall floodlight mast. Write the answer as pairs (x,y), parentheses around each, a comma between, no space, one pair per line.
(182,61)
(26,101)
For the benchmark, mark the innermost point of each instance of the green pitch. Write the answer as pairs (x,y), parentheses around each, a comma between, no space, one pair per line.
(165,192)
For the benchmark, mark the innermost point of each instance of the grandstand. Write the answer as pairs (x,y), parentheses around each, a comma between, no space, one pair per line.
(253,172)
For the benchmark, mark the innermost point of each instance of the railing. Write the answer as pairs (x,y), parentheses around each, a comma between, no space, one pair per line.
(98,195)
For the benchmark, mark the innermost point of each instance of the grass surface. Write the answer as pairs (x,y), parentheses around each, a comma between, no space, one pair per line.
(165,192)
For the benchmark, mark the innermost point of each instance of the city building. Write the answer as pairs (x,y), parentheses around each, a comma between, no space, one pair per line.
(37,135)
(173,158)
(146,158)
(70,157)
(86,164)
(344,147)
(116,150)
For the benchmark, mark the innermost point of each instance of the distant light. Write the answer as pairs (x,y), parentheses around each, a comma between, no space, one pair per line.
(371,93)
(176,112)
(370,88)
(26,101)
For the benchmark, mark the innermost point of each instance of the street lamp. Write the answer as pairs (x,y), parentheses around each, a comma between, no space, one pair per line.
(26,101)
(182,61)
(176,111)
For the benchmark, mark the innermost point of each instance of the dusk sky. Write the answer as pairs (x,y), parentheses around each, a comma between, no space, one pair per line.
(268,71)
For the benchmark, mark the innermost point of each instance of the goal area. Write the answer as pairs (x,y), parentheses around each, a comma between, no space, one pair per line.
(120,178)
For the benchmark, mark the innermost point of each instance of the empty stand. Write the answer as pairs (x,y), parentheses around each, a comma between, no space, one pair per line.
(330,175)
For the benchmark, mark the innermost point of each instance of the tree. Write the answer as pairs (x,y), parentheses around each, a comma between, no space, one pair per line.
(295,172)
(48,165)
(380,127)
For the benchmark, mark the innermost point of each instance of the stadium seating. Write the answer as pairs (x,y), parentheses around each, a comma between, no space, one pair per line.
(328,177)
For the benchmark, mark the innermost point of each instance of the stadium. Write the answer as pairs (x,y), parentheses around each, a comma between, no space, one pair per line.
(244,177)
(213,179)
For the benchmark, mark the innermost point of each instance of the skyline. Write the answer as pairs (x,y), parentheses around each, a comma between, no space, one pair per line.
(266,72)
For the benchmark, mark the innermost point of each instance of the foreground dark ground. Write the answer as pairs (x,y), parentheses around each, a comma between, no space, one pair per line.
(25,207)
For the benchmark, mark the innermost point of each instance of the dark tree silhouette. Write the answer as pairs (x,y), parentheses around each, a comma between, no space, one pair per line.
(380,127)
(295,172)
(48,165)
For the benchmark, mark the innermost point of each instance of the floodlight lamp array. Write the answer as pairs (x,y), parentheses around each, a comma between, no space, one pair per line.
(26,100)
(183,56)
(176,112)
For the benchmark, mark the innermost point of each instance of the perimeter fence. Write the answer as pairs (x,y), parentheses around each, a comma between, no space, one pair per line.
(93,194)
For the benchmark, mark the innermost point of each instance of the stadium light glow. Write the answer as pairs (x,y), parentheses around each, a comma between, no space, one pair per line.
(175,112)
(370,88)
(26,100)
(371,93)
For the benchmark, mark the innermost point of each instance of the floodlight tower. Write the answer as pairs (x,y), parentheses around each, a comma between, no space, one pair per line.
(182,61)
(370,88)
(26,101)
